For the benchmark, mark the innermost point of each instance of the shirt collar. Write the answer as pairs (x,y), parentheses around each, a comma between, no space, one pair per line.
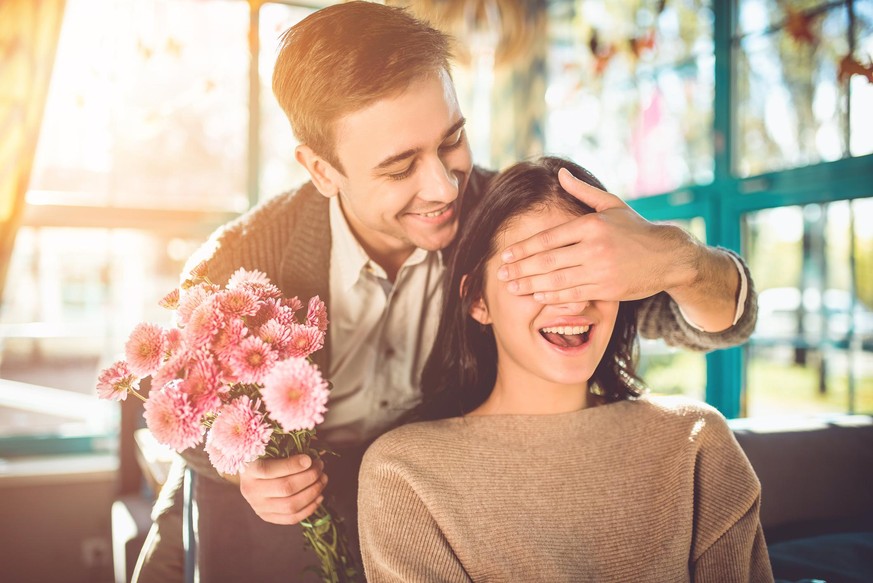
(353,262)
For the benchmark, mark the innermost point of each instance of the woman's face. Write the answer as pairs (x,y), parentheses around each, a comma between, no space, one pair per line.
(540,344)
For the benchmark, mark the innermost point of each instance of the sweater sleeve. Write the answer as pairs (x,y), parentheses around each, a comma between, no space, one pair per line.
(728,543)
(740,554)
(400,539)
(658,316)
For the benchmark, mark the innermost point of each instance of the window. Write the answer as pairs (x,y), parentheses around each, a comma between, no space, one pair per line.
(748,117)
(149,141)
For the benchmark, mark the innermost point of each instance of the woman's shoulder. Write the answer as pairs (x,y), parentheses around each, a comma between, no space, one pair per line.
(415,440)
(679,410)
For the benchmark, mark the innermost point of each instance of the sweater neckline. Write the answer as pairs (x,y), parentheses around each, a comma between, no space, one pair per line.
(514,428)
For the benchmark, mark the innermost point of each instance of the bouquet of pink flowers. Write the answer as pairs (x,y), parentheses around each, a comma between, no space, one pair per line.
(236,370)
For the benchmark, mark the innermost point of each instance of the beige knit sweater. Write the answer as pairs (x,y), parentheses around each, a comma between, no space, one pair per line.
(650,490)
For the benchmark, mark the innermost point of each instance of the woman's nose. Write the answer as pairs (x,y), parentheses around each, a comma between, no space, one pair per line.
(573,307)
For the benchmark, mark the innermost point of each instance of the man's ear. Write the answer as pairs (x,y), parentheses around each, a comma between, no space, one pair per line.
(324,176)
(478,309)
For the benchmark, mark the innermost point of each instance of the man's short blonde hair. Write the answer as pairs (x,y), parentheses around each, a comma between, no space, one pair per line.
(346,57)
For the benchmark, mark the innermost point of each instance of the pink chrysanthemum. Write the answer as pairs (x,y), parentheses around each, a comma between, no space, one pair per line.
(304,340)
(173,369)
(238,435)
(244,276)
(171,300)
(276,335)
(172,419)
(204,324)
(202,383)
(229,337)
(238,302)
(293,303)
(200,270)
(145,348)
(191,300)
(295,394)
(268,310)
(174,342)
(264,291)
(285,316)
(252,359)
(316,314)
(116,381)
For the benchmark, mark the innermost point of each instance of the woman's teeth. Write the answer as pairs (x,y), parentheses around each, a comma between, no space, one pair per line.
(566,330)
(435,213)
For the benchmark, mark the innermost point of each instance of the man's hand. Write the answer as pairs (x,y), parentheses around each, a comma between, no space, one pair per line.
(283,491)
(614,254)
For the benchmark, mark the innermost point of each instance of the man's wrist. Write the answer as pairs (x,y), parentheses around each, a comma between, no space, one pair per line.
(687,261)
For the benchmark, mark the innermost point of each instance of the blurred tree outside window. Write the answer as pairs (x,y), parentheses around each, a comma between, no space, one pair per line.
(795,107)
(812,350)
(630,93)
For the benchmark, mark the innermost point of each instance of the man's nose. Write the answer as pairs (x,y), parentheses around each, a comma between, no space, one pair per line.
(442,185)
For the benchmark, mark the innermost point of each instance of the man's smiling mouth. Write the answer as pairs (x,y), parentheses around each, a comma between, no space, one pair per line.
(435,213)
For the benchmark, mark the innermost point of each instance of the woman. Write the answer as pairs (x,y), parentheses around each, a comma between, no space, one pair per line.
(538,459)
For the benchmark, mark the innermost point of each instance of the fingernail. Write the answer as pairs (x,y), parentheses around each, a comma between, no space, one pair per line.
(502,274)
(307,461)
(512,286)
(539,297)
(506,255)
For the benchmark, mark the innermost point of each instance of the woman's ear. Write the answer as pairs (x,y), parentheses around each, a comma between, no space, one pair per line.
(324,176)
(478,309)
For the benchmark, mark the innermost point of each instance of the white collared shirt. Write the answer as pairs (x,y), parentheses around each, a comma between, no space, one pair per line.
(380,334)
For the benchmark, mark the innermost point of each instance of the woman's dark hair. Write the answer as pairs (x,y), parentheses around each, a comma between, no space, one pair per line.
(462,367)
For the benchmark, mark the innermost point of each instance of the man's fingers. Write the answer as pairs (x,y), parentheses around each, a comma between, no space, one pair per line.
(539,264)
(255,489)
(554,281)
(286,519)
(557,237)
(278,467)
(291,505)
(597,199)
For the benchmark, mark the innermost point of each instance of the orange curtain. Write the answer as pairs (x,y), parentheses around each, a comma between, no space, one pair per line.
(29,31)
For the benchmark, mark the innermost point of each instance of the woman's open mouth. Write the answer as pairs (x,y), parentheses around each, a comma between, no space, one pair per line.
(566,336)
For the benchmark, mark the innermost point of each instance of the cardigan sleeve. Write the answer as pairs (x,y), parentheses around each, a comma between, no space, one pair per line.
(728,543)
(659,316)
(400,539)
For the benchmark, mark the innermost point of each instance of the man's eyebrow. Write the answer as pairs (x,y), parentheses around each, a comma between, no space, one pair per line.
(413,151)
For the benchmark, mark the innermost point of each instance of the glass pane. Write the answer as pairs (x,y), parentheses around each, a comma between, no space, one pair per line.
(72,298)
(672,371)
(147,106)
(812,350)
(630,93)
(279,170)
(802,93)
(861,87)
(761,15)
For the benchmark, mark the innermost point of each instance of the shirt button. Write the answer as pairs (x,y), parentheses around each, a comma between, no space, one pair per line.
(389,352)
(383,404)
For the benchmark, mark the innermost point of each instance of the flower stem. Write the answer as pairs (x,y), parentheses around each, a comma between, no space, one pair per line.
(137,395)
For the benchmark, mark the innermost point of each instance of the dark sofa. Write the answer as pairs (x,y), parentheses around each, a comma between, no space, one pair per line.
(816,494)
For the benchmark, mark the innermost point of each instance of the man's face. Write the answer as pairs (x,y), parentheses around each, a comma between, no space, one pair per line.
(406,161)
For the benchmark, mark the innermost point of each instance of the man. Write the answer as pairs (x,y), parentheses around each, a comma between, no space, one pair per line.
(368,92)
